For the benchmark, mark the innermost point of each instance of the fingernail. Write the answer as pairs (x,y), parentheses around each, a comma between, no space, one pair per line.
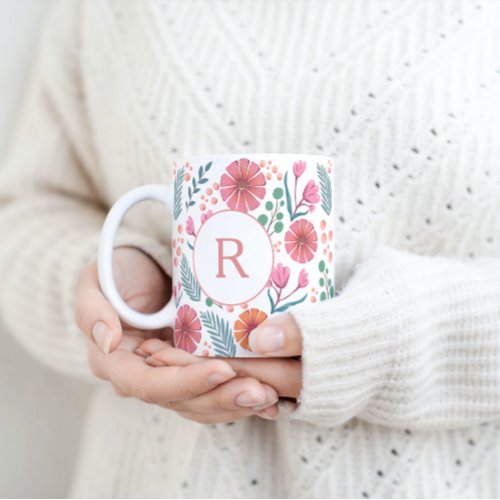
(221,376)
(102,336)
(150,360)
(268,339)
(249,398)
(267,404)
(268,413)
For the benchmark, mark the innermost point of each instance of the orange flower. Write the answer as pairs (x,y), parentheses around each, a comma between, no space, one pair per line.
(246,322)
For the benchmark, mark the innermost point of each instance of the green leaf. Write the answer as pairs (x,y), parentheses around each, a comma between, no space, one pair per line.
(284,307)
(269,205)
(322,282)
(326,188)
(263,219)
(278,193)
(271,301)
(331,291)
(282,203)
(288,198)
(179,177)
(322,296)
(321,266)
(278,227)
(220,333)
(329,282)
(209,302)
(188,280)
(279,215)
(190,246)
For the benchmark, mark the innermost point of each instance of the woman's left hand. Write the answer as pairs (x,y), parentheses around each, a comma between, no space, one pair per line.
(278,340)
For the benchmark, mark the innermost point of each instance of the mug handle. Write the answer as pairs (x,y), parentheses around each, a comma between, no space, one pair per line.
(164,317)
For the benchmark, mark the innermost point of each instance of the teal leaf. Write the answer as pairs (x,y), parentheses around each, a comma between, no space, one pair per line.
(271,301)
(278,227)
(190,246)
(220,333)
(284,307)
(299,214)
(179,177)
(322,296)
(288,197)
(188,280)
(321,266)
(269,205)
(326,188)
(178,298)
(279,215)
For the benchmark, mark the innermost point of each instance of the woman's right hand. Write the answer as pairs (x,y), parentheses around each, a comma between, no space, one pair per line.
(204,390)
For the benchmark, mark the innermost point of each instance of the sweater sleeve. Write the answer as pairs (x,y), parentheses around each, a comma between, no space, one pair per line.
(50,210)
(411,342)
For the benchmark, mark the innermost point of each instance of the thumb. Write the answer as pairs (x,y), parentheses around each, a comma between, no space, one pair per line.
(94,315)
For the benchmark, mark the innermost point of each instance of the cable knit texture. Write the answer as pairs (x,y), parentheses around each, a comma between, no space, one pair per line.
(401,392)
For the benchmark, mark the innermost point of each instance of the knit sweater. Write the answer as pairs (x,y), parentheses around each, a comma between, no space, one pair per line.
(401,382)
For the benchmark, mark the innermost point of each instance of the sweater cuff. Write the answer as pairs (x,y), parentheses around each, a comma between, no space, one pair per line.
(348,345)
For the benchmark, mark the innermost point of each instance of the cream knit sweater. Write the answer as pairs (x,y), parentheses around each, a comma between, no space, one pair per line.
(401,390)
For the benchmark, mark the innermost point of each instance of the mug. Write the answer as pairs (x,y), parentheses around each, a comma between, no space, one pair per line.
(252,237)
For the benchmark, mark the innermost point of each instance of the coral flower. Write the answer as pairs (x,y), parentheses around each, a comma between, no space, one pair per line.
(301,241)
(280,275)
(246,322)
(242,186)
(310,194)
(187,334)
(299,168)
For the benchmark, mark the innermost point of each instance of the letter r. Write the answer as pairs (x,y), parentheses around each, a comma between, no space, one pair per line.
(233,258)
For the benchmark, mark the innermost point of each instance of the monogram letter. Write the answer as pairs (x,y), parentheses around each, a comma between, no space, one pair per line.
(232,258)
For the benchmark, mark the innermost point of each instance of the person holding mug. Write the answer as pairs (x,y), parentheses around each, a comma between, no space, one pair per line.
(219,308)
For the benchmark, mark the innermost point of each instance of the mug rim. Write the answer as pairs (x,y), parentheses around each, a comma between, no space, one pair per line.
(226,155)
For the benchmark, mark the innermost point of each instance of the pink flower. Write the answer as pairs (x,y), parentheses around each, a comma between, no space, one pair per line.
(303,279)
(206,216)
(299,168)
(280,275)
(190,226)
(312,208)
(187,334)
(310,194)
(242,186)
(301,241)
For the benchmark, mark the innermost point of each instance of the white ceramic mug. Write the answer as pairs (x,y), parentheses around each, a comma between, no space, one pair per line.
(252,237)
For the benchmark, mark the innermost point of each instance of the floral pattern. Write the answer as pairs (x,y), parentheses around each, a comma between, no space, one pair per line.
(242,186)
(293,203)
(187,331)
(247,321)
(301,241)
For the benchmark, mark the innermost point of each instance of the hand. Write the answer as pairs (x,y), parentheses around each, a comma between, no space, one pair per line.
(199,389)
(278,339)
(141,283)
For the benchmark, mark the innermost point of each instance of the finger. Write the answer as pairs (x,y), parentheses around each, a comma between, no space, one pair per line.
(225,417)
(233,395)
(102,365)
(279,336)
(284,374)
(168,384)
(94,315)
(164,354)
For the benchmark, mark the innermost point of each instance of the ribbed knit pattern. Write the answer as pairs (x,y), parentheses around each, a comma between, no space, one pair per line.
(401,376)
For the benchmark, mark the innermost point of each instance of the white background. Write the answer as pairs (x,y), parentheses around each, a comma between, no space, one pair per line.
(40,412)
